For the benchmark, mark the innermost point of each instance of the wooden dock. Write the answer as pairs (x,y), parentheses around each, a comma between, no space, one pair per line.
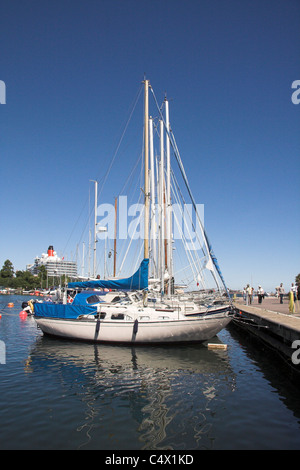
(272,323)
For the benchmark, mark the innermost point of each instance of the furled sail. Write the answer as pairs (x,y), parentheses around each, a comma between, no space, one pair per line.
(138,281)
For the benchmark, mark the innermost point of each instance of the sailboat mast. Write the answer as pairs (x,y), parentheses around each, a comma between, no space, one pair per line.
(153,199)
(95,229)
(162,212)
(168,205)
(146,151)
(82,264)
(115,240)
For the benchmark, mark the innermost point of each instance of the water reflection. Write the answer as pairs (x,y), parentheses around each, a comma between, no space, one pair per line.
(62,395)
(137,398)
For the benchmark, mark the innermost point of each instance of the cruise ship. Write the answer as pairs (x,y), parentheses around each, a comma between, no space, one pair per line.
(54,265)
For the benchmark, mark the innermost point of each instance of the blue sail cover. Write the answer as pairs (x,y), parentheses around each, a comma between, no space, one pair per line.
(51,310)
(138,281)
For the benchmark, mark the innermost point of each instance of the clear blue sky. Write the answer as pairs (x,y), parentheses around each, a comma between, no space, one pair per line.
(72,69)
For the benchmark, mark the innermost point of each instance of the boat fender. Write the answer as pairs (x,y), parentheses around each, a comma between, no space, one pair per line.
(23,315)
(135,327)
(217,346)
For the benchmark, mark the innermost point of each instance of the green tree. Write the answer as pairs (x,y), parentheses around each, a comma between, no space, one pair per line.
(26,280)
(7,270)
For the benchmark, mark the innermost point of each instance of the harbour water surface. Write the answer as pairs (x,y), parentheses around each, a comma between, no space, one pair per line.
(58,394)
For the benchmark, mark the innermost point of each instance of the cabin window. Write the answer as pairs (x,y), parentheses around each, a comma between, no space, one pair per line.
(117,316)
(93,299)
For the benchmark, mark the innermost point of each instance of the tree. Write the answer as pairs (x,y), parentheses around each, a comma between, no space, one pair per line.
(7,270)
(25,280)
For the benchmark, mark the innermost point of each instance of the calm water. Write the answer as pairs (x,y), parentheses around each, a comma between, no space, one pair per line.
(65,395)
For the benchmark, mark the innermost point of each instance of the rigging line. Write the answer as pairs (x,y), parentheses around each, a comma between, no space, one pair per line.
(138,184)
(138,220)
(103,179)
(180,164)
(176,188)
(121,138)
(205,238)
(86,224)
(110,166)
(195,256)
(75,224)
(131,174)
(192,262)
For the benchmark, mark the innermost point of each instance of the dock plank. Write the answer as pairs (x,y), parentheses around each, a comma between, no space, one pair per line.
(272,311)
(273,324)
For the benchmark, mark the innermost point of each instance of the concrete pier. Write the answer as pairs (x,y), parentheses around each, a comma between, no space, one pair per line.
(272,323)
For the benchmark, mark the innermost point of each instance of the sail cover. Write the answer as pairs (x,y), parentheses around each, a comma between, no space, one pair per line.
(138,281)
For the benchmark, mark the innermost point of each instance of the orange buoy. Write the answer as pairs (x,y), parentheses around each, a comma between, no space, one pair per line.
(10,304)
(23,314)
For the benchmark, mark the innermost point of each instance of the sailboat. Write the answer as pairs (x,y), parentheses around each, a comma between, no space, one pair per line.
(145,308)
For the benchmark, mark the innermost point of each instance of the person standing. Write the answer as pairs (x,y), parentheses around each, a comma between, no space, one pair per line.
(281,292)
(294,289)
(260,294)
(249,294)
(291,300)
(244,294)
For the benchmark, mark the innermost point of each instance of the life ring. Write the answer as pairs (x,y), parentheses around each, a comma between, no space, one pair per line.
(69,299)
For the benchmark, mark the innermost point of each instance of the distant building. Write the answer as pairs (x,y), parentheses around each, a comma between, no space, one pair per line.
(54,265)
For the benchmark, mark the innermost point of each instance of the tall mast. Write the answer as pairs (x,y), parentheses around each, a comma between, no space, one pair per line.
(161,202)
(146,150)
(115,240)
(168,205)
(82,264)
(153,200)
(95,227)
(147,196)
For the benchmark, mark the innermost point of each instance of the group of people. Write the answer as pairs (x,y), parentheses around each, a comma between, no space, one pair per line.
(248,293)
(293,292)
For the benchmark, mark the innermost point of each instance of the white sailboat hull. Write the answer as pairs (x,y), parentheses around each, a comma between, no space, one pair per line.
(194,329)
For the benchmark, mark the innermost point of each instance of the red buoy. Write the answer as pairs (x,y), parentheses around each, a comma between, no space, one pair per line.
(23,314)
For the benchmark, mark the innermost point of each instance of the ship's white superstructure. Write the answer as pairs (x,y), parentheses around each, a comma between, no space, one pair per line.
(54,265)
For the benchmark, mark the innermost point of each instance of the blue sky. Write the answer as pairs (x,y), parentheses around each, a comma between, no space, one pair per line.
(72,69)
